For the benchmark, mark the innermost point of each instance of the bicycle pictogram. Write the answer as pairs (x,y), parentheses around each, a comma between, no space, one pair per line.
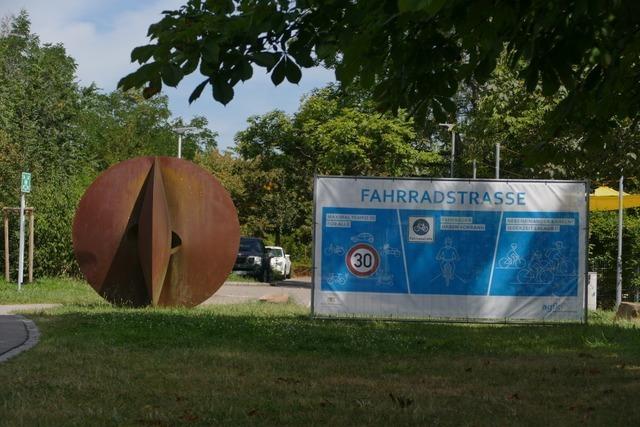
(337,279)
(333,250)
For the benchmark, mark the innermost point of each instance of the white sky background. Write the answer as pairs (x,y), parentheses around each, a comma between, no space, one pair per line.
(100,34)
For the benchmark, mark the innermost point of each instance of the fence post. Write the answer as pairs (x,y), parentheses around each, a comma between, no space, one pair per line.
(31,248)
(6,244)
(619,259)
(498,160)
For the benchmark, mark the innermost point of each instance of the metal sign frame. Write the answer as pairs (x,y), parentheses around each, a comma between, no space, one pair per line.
(582,276)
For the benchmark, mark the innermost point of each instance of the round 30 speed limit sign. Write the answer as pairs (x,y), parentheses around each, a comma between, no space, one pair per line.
(362,260)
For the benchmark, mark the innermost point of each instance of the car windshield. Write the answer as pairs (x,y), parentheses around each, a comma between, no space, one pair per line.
(275,252)
(250,245)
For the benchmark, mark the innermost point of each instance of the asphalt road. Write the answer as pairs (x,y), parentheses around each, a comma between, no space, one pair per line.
(298,290)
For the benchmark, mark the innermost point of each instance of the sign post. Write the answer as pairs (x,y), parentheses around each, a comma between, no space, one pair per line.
(24,189)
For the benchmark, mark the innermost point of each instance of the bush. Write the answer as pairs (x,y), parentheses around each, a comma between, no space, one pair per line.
(603,252)
(55,204)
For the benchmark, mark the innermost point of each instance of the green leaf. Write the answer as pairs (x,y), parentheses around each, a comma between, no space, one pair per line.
(222,91)
(347,71)
(550,83)
(448,105)
(293,72)
(155,85)
(171,75)
(305,60)
(279,72)
(206,68)
(220,6)
(325,50)
(300,50)
(129,81)
(484,68)
(367,78)
(198,91)
(566,75)
(265,59)
(138,78)
(142,53)
(429,6)
(531,79)
(246,70)
(190,66)
(438,112)
(211,51)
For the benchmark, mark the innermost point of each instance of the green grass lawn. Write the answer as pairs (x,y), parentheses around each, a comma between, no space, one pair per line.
(65,291)
(245,278)
(49,290)
(262,364)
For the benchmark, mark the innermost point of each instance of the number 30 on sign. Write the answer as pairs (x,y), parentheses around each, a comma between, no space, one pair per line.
(362,260)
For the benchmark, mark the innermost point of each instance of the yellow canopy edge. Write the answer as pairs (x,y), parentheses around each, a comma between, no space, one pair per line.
(606,199)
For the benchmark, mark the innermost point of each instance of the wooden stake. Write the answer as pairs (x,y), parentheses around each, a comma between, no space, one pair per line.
(31,227)
(6,245)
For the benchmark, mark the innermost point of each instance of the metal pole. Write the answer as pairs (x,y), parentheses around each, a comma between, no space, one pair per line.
(179,145)
(619,260)
(498,160)
(453,149)
(6,245)
(21,247)
(31,248)
(637,298)
(475,169)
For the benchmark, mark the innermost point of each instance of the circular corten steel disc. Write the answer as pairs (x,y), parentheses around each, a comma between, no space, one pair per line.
(156,230)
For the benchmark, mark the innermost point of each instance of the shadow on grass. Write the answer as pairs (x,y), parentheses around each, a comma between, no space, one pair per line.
(288,330)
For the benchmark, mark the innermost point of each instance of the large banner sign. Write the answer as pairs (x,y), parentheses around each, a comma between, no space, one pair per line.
(457,249)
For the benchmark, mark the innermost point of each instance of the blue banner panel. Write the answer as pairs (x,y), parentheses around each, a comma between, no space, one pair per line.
(407,252)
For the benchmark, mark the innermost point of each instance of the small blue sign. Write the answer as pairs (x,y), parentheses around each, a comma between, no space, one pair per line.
(25,183)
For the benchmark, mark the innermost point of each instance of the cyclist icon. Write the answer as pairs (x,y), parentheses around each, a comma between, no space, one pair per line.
(556,259)
(539,271)
(447,255)
(512,259)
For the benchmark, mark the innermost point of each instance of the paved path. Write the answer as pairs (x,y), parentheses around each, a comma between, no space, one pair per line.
(17,334)
(298,290)
(12,309)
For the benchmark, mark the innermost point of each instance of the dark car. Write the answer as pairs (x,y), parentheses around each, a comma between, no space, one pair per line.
(252,259)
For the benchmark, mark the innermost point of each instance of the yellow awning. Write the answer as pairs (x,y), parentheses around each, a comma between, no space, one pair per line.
(606,199)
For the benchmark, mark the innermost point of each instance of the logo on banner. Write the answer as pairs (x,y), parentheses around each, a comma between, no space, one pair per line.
(421,229)
(362,260)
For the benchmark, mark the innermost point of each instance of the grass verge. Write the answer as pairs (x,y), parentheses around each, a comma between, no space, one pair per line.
(66,291)
(49,290)
(245,278)
(257,364)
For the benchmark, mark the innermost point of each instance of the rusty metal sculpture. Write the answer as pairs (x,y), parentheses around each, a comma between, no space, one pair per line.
(156,230)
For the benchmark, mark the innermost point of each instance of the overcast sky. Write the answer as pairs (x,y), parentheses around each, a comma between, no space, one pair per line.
(100,34)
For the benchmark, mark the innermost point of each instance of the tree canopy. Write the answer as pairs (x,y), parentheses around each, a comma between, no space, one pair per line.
(65,135)
(412,54)
(271,176)
(502,110)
